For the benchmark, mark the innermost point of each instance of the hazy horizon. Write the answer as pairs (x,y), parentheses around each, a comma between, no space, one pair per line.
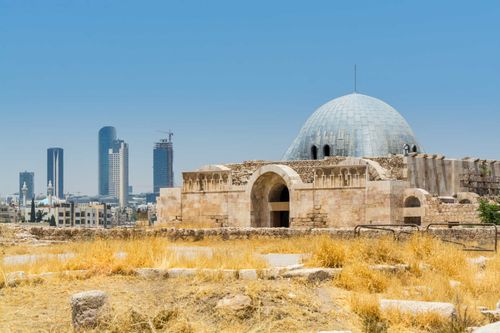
(234,81)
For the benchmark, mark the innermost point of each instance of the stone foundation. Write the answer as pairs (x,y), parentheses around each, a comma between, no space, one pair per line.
(479,235)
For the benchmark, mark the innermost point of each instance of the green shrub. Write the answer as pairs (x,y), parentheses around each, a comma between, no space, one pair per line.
(489,212)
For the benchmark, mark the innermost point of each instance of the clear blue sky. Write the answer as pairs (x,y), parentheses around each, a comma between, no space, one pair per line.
(234,80)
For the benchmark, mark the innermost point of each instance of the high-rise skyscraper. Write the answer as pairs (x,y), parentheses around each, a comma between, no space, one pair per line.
(107,135)
(27,178)
(55,170)
(118,171)
(163,161)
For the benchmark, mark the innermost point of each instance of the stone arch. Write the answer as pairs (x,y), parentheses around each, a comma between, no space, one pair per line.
(467,197)
(270,191)
(414,203)
(422,195)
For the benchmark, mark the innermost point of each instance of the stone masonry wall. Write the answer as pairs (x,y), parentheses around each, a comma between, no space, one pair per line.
(437,212)
(241,172)
(479,235)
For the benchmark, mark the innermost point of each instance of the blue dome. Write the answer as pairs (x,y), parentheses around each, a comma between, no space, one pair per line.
(353,125)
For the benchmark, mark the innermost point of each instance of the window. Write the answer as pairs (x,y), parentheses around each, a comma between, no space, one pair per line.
(314,153)
(326,150)
(414,149)
(406,149)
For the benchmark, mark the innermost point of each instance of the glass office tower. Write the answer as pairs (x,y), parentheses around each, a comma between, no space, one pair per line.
(55,170)
(107,135)
(29,179)
(163,161)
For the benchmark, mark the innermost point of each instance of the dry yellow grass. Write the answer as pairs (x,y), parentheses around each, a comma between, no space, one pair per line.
(277,306)
(433,264)
(100,256)
(438,272)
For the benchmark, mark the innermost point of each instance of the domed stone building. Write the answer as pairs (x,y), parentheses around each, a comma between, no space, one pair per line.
(353,125)
(355,161)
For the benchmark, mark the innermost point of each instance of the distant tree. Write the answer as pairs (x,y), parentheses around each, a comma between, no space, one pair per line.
(40,215)
(133,216)
(489,212)
(32,213)
(52,221)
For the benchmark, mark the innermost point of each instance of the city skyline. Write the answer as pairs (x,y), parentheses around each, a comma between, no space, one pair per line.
(234,82)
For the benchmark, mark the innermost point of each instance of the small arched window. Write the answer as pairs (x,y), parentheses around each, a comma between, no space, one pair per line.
(414,149)
(412,202)
(314,152)
(406,149)
(326,150)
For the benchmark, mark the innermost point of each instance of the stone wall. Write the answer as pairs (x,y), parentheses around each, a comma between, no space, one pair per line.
(447,177)
(221,208)
(438,212)
(479,235)
(241,172)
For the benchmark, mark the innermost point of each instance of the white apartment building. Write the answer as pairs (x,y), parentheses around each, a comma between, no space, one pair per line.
(91,215)
(118,171)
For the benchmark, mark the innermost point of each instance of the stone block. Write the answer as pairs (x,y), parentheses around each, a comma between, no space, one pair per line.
(390,268)
(14,277)
(181,272)
(248,274)
(225,273)
(151,273)
(491,328)
(313,274)
(418,307)
(88,308)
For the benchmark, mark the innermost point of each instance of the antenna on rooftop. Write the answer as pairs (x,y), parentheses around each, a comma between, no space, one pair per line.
(355,79)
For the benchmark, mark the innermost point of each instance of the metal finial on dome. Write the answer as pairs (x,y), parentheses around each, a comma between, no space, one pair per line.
(355,79)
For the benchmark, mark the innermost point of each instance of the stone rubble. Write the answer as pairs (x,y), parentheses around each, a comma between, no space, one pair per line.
(492,315)
(480,261)
(234,302)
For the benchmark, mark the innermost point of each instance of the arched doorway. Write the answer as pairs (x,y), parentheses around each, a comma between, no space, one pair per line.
(270,200)
(412,202)
(279,202)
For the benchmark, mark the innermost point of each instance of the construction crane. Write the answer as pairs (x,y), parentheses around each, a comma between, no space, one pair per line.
(169,133)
